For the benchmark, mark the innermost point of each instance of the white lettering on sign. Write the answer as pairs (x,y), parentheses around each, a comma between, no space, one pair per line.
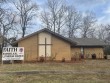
(13,53)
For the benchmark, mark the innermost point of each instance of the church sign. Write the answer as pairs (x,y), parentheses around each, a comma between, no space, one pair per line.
(13,53)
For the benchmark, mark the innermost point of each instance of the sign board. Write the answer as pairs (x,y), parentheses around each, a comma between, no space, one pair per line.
(13,53)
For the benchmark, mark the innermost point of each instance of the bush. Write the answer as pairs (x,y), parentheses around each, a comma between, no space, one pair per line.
(42,59)
(63,59)
(52,58)
(72,58)
(82,56)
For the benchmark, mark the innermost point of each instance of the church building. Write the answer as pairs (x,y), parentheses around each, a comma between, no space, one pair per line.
(47,44)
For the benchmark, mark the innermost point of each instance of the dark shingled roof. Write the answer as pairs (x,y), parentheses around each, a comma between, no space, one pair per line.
(74,41)
(88,42)
(48,31)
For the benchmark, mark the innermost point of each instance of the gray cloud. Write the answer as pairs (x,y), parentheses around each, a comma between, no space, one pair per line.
(90,2)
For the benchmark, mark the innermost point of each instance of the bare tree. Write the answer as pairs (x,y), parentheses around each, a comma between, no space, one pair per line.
(26,11)
(54,18)
(101,32)
(92,33)
(2,1)
(88,23)
(53,6)
(107,27)
(7,20)
(45,17)
(73,21)
(61,18)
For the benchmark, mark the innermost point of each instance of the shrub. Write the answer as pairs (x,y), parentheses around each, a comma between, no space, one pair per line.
(63,59)
(72,58)
(82,56)
(52,58)
(42,59)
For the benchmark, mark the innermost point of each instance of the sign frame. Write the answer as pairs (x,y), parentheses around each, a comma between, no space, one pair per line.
(12,53)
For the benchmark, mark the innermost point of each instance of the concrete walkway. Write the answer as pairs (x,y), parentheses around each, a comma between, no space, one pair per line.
(55,72)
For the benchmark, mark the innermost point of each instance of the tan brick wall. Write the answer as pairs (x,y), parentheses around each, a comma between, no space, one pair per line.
(75,51)
(30,48)
(61,49)
(59,46)
(88,52)
(98,51)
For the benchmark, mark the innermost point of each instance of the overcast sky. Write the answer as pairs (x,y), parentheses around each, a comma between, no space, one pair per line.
(100,7)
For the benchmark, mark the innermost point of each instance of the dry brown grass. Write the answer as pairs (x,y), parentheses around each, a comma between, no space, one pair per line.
(87,65)
(100,67)
(76,78)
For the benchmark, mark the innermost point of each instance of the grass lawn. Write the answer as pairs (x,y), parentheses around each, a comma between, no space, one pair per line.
(100,67)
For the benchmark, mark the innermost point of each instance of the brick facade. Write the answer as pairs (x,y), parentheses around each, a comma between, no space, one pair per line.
(88,51)
(60,48)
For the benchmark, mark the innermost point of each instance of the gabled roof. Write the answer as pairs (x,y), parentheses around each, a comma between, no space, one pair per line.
(48,31)
(74,41)
(88,42)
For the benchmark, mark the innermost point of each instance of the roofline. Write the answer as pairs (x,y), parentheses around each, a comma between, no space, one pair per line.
(49,31)
(28,36)
(89,45)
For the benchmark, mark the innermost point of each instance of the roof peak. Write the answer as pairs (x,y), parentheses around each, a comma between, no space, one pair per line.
(49,31)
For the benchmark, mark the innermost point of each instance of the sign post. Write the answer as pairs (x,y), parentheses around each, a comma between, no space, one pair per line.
(12,53)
